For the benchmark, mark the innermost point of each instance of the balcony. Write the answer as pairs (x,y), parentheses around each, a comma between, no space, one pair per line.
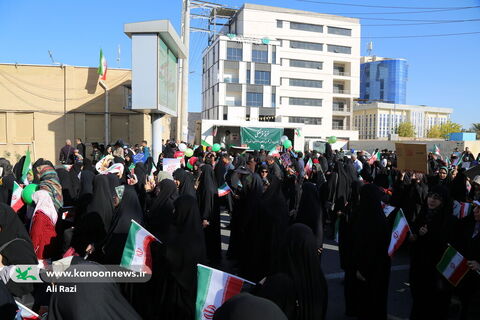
(338,72)
(230,80)
(340,127)
(340,108)
(340,90)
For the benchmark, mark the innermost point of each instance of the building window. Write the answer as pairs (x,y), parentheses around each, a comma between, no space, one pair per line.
(339,49)
(279,24)
(340,31)
(305,83)
(259,53)
(234,54)
(306,45)
(306,64)
(305,102)
(274,54)
(306,27)
(305,120)
(262,77)
(248,76)
(254,99)
(274,100)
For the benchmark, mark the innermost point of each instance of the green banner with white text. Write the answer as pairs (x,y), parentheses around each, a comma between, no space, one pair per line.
(261,138)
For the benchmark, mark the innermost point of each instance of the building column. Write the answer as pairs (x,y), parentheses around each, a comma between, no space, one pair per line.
(157,134)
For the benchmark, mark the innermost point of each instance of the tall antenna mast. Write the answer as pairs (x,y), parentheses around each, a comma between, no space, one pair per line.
(118,56)
(50,53)
(370,48)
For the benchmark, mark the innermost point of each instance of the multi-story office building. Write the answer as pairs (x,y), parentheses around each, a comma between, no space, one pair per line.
(276,67)
(383,79)
(378,120)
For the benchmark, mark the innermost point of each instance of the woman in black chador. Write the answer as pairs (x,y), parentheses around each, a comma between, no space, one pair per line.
(370,254)
(432,231)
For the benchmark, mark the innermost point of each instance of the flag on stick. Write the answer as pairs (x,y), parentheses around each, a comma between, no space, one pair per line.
(24,313)
(102,67)
(136,254)
(224,190)
(376,156)
(27,167)
(214,288)
(399,232)
(309,166)
(462,209)
(436,151)
(17,201)
(453,266)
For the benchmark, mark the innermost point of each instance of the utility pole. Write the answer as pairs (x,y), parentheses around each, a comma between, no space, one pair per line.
(182,118)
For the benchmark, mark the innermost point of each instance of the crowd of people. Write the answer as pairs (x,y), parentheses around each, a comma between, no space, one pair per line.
(283,204)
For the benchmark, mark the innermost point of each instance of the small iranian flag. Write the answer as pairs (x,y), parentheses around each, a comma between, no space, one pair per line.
(309,166)
(224,190)
(436,150)
(102,67)
(214,288)
(298,133)
(399,232)
(376,156)
(453,266)
(23,313)
(462,209)
(27,167)
(17,201)
(387,209)
(274,152)
(136,254)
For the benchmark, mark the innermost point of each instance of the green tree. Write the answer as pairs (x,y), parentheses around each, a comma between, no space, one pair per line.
(443,130)
(406,129)
(476,128)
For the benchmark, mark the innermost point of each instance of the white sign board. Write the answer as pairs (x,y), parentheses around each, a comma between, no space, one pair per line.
(171,164)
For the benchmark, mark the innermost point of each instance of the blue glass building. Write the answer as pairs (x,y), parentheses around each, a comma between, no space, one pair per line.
(384,80)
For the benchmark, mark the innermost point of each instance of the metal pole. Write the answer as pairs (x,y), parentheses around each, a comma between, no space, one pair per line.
(107,114)
(183,117)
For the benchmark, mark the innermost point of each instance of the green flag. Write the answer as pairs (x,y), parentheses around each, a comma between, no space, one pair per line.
(27,167)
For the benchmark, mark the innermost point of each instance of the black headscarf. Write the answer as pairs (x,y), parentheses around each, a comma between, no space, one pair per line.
(300,262)
(102,201)
(16,247)
(207,190)
(6,181)
(69,189)
(8,307)
(17,169)
(310,211)
(160,215)
(245,306)
(129,209)
(186,182)
(94,300)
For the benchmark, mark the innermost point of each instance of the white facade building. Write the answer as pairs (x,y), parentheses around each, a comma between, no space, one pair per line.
(276,67)
(378,120)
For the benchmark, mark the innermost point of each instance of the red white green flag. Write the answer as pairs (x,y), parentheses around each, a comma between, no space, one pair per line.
(462,209)
(27,167)
(224,190)
(214,288)
(23,313)
(436,150)
(453,266)
(136,254)
(17,201)
(376,156)
(399,232)
(309,166)
(102,67)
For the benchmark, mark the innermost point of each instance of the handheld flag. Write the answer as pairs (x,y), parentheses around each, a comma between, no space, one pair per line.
(387,209)
(17,201)
(462,209)
(27,167)
(136,254)
(376,156)
(436,151)
(102,67)
(309,166)
(399,232)
(224,190)
(214,288)
(453,266)
(23,313)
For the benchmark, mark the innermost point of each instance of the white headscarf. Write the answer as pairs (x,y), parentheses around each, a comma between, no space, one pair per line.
(44,203)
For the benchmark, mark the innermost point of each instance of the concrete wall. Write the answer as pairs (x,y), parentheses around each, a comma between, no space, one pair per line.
(41,106)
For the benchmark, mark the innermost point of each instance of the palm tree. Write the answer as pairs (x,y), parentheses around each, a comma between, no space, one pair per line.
(476,128)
